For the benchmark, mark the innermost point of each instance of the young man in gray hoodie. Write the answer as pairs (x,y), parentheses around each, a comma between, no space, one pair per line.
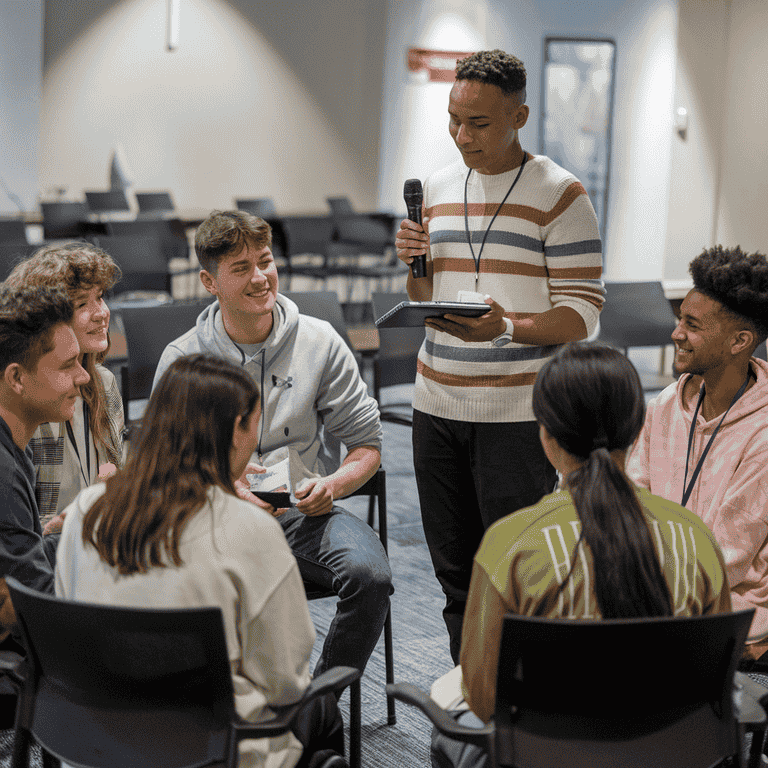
(312,399)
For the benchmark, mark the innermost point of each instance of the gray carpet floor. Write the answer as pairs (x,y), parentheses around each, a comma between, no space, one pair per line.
(419,636)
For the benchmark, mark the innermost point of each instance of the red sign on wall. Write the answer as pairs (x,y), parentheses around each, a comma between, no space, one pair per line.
(440,66)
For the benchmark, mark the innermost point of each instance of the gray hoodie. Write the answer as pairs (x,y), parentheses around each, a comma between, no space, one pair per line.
(313,397)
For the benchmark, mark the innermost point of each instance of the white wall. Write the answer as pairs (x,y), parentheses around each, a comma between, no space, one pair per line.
(742,204)
(258,100)
(645,32)
(21,55)
(695,169)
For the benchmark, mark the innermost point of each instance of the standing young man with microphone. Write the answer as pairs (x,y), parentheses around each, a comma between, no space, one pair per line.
(518,232)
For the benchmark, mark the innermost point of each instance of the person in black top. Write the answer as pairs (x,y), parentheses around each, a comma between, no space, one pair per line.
(40,381)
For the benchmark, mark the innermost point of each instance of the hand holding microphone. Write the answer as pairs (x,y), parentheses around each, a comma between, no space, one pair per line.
(412,240)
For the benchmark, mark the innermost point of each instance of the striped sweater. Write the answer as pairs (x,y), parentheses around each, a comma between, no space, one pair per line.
(542,251)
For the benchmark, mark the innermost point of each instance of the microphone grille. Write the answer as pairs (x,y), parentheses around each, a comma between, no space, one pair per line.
(412,188)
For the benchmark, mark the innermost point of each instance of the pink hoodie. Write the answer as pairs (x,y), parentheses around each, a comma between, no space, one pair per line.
(731,493)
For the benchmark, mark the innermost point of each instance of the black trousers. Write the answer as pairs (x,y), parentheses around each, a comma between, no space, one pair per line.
(469,476)
(320,730)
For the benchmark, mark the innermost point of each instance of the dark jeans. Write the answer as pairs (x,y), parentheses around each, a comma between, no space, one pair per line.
(340,553)
(469,476)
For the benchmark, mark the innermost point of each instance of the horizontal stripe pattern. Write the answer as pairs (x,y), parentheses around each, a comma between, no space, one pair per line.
(488,380)
(543,250)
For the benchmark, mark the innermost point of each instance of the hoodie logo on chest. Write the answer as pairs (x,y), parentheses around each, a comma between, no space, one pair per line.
(278,382)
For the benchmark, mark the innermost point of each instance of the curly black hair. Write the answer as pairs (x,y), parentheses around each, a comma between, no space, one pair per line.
(738,281)
(494,67)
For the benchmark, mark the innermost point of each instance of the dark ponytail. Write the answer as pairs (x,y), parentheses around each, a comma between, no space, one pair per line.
(588,397)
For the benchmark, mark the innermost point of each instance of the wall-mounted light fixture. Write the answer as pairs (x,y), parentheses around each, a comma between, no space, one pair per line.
(681,122)
(172,25)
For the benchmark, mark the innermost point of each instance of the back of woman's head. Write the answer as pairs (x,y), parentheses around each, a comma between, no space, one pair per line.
(588,397)
(183,448)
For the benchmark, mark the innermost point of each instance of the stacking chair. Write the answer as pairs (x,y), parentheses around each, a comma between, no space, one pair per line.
(173,240)
(65,220)
(141,261)
(13,231)
(11,254)
(628,692)
(155,203)
(110,201)
(363,248)
(396,360)
(258,206)
(118,687)
(148,330)
(638,315)
(306,241)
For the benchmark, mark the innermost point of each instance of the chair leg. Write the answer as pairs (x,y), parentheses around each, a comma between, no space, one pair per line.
(355,724)
(389,663)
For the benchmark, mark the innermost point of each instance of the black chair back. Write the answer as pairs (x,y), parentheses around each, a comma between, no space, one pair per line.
(164,672)
(62,220)
(173,240)
(109,201)
(258,206)
(340,206)
(323,305)
(631,692)
(13,231)
(11,254)
(636,315)
(148,331)
(154,202)
(141,261)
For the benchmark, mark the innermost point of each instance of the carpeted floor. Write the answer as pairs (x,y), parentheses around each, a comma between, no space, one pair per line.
(419,636)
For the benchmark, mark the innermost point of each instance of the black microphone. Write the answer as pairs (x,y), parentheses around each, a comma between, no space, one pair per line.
(414,196)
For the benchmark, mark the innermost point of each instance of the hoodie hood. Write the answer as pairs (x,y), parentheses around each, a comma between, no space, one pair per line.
(753,400)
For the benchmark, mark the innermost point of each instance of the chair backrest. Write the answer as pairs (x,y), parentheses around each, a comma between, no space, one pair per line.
(120,687)
(64,219)
(636,315)
(340,206)
(258,206)
(107,202)
(398,347)
(324,305)
(141,261)
(154,202)
(148,331)
(11,254)
(13,231)
(629,692)
(173,243)
(306,234)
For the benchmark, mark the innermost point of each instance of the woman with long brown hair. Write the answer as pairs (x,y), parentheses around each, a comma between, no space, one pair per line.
(72,455)
(170,531)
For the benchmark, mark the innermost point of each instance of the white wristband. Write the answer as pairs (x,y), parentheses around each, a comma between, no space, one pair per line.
(506,337)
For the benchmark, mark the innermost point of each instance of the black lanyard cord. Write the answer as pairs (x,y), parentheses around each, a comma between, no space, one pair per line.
(476,259)
(687,489)
(86,427)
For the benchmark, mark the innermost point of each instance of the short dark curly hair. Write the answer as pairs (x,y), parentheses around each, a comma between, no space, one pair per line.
(28,316)
(495,67)
(736,280)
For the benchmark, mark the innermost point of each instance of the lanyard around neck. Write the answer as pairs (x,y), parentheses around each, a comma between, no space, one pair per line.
(476,259)
(687,489)
(86,473)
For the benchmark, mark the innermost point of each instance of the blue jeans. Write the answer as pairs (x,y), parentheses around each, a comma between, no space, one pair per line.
(341,554)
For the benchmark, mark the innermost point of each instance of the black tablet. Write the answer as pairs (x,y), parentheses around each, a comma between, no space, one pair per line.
(408,314)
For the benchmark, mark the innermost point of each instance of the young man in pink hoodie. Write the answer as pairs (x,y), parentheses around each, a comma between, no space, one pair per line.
(705,439)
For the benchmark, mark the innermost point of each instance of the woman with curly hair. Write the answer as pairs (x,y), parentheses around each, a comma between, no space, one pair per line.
(72,455)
